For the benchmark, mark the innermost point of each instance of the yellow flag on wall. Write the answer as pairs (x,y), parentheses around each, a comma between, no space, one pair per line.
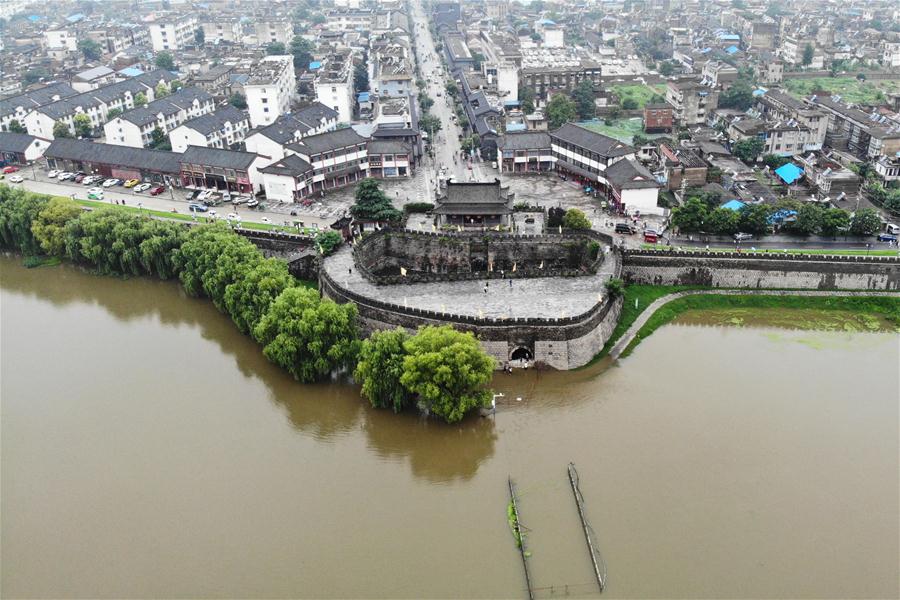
(403,271)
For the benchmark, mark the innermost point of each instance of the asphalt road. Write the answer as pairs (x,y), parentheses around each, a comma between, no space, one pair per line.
(169,200)
(446,144)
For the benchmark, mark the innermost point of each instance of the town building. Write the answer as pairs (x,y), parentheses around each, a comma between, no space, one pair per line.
(659,118)
(225,128)
(14,108)
(273,31)
(588,156)
(135,127)
(338,158)
(388,159)
(93,78)
(691,100)
(866,135)
(270,141)
(217,30)
(173,33)
(476,205)
(682,167)
(270,89)
(334,85)
(20,148)
(525,152)
(219,169)
(776,105)
(121,162)
(96,104)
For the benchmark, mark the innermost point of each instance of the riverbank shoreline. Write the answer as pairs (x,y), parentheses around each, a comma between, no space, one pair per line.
(666,308)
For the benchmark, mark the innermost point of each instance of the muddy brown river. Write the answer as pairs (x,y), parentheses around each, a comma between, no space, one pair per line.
(150,450)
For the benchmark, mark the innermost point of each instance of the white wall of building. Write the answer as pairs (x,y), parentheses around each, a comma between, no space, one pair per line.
(339,96)
(270,97)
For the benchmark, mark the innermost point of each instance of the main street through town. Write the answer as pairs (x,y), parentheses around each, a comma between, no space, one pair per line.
(446,143)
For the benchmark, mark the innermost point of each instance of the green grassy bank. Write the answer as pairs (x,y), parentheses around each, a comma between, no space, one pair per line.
(885,307)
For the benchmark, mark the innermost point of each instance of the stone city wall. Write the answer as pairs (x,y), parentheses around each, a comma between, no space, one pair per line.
(430,257)
(564,343)
(761,270)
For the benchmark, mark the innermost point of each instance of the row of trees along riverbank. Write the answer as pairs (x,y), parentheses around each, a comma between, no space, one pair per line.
(443,371)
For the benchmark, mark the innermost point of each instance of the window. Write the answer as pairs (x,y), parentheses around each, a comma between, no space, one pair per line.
(266,109)
(265,100)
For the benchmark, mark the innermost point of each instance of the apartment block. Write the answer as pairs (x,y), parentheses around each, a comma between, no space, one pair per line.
(135,127)
(173,33)
(270,89)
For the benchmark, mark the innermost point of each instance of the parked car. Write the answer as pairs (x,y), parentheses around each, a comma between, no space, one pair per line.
(650,236)
(90,179)
(16,179)
(131,183)
(742,237)
(10,169)
(52,173)
(79,177)
(95,194)
(142,187)
(111,182)
(239,200)
(625,228)
(253,203)
(65,176)
(882,237)
(195,207)
(157,190)
(233,217)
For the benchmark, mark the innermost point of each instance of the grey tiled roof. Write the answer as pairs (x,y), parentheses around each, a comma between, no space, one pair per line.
(120,156)
(627,174)
(291,165)
(590,140)
(36,98)
(105,94)
(15,142)
(325,142)
(215,120)
(526,140)
(170,105)
(215,157)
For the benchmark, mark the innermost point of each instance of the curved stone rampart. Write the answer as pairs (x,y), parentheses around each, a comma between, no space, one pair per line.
(560,343)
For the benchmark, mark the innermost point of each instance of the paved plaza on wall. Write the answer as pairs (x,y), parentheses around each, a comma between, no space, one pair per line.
(543,297)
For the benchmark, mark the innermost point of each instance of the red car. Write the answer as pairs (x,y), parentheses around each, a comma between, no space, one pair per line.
(10,169)
(157,190)
(79,177)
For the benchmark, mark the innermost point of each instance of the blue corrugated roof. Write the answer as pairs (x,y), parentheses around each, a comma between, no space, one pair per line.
(363,97)
(315,65)
(515,127)
(789,172)
(131,72)
(734,205)
(732,49)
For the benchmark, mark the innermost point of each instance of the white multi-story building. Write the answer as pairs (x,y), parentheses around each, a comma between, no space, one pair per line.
(173,34)
(890,54)
(135,127)
(315,164)
(273,31)
(270,141)
(221,30)
(334,86)
(96,104)
(65,39)
(224,128)
(270,89)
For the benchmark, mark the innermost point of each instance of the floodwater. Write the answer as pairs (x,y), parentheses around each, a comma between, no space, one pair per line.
(149,450)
